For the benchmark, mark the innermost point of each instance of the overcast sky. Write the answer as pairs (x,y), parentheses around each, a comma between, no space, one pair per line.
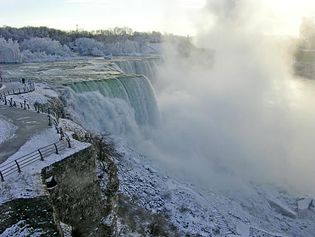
(172,16)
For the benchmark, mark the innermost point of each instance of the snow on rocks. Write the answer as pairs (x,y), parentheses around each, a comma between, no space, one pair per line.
(304,204)
(188,211)
(66,229)
(7,130)
(243,229)
(281,208)
(197,211)
(72,127)
(21,229)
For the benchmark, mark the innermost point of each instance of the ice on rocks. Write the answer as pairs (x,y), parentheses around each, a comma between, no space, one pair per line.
(304,204)
(195,211)
(281,208)
(20,229)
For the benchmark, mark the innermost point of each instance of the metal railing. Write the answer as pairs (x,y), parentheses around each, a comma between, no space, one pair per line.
(18,164)
(28,87)
(12,103)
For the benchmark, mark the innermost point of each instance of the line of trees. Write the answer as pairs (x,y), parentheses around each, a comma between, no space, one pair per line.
(66,37)
(36,44)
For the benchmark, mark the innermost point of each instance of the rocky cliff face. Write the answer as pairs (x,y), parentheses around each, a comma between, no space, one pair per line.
(126,216)
(84,192)
(76,196)
(27,217)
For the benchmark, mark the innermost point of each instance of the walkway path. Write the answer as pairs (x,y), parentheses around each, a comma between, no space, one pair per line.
(9,86)
(28,124)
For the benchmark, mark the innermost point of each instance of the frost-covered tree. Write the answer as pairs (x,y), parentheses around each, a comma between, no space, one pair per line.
(124,47)
(38,44)
(35,57)
(131,47)
(89,47)
(9,51)
(46,45)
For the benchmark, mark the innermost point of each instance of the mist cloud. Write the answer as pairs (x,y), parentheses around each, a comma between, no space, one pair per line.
(241,119)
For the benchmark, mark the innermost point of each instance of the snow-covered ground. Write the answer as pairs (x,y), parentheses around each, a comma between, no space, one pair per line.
(7,130)
(28,183)
(265,211)
(43,92)
(21,229)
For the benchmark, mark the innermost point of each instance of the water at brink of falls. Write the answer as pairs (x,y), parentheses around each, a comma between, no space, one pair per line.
(115,106)
(146,67)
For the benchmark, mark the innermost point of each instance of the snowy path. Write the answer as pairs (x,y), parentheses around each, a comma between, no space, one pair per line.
(27,124)
(7,130)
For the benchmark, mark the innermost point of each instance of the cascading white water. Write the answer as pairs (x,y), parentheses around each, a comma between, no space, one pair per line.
(146,67)
(117,106)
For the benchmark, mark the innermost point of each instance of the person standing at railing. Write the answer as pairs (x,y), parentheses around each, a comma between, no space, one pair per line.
(61,133)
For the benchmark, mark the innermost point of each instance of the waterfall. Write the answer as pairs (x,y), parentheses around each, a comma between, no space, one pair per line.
(120,105)
(146,67)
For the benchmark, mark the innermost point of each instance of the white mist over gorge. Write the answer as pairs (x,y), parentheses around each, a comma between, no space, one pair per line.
(246,118)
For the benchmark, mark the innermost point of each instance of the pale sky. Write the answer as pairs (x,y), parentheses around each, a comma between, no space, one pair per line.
(171,16)
(142,15)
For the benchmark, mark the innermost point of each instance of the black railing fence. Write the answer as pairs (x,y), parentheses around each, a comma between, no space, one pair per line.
(19,164)
(53,117)
(24,88)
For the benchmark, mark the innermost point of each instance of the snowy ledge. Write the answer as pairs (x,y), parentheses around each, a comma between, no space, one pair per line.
(28,183)
(43,92)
